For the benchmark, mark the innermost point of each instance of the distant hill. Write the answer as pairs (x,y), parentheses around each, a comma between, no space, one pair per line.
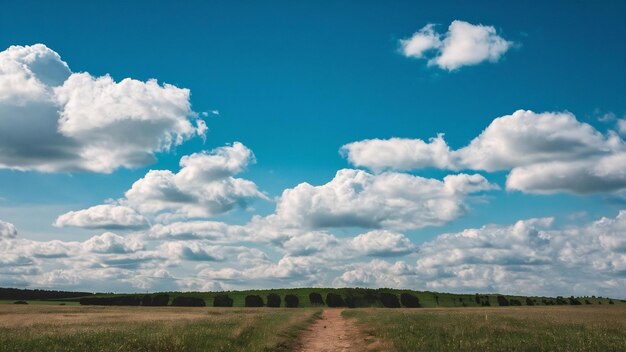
(350,297)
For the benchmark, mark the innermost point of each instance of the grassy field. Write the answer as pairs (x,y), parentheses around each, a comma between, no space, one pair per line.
(554,328)
(59,328)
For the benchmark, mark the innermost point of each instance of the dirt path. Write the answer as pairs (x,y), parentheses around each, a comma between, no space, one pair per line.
(333,333)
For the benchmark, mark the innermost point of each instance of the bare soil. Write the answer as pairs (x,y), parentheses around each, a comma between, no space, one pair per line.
(334,333)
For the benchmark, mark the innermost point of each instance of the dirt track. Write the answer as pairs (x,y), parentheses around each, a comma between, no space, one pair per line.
(333,333)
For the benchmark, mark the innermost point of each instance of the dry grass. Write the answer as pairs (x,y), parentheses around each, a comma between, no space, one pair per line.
(557,328)
(59,328)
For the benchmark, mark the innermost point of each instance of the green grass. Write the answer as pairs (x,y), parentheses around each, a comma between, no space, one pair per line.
(553,328)
(50,328)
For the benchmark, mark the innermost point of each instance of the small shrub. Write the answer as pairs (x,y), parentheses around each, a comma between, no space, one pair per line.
(587,301)
(222,301)
(253,301)
(316,299)
(292,301)
(335,300)
(515,302)
(20,302)
(273,300)
(389,300)
(410,301)
(611,301)
(529,302)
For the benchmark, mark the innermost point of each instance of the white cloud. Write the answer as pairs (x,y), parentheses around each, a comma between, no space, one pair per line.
(7,230)
(209,230)
(203,187)
(621,126)
(464,44)
(106,216)
(381,243)
(111,243)
(355,198)
(422,41)
(399,153)
(529,258)
(54,120)
(546,153)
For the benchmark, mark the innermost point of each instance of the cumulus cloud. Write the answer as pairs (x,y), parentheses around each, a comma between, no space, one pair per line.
(545,153)
(7,230)
(106,216)
(381,243)
(210,230)
(355,198)
(464,44)
(54,120)
(203,187)
(529,256)
(109,242)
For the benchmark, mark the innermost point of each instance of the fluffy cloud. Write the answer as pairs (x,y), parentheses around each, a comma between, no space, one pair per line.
(209,230)
(546,153)
(111,243)
(355,198)
(203,187)
(7,230)
(529,256)
(381,243)
(54,120)
(399,153)
(464,44)
(106,216)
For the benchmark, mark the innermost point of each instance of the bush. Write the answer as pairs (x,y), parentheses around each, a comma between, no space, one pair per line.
(273,300)
(587,301)
(222,301)
(160,300)
(611,301)
(529,302)
(292,301)
(316,299)
(20,302)
(515,302)
(410,301)
(574,301)
(254,301)
(389,300)
(182,301)
(502,301)
(560,301)
(335,300)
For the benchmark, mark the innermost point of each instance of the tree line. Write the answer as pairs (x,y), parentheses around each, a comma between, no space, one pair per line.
(26,294)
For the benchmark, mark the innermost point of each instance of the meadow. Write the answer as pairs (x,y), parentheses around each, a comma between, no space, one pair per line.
(71,328)
(553,328)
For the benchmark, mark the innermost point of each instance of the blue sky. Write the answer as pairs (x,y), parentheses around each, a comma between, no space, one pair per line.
(294,82)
